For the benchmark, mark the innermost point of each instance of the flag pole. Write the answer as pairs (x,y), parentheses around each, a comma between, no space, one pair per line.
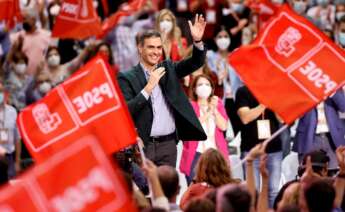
(273,136)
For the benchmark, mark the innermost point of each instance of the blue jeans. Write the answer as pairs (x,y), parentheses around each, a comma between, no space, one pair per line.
(274,161)
(191,175)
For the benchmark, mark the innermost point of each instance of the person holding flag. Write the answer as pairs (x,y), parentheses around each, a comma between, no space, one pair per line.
(159,107)
(259,123)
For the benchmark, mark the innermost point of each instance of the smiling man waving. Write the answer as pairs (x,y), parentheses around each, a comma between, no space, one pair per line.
(160,109)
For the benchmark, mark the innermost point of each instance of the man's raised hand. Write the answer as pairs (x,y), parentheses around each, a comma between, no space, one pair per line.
(198,28)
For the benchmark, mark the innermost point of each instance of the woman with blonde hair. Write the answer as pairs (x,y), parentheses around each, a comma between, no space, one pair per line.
(174,46)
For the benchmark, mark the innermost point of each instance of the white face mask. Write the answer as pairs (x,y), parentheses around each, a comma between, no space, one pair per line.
(44,87)
(54,10)
(223,43)
(54,60)
(278,1)
(20,68)
(166,26)
(95,4)
(203,91)
(341,37)
(339,15)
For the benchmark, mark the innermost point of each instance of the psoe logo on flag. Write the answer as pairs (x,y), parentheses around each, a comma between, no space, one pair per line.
(296,49)
(286,42)
(46,121)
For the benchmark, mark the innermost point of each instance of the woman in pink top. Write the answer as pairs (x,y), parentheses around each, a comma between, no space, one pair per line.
(211,113)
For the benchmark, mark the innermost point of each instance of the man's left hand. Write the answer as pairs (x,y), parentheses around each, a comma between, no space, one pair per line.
(197,29)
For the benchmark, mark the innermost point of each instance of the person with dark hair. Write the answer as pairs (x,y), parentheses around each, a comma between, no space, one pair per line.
(200,204)
(218,63)
(212,116)
(17,81)
(59,72)
(319,161)
(281,194)
(259,123)
(289,208)
(168,177)
(34,40)
(155,99)
(232,198)
(9,135)
(319,196)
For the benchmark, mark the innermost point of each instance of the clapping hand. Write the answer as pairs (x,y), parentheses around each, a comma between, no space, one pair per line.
(198,28)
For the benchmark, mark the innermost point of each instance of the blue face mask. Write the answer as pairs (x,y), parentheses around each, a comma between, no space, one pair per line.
(323,3)
(237,7)
(341,37)
(1,97)
(300,7)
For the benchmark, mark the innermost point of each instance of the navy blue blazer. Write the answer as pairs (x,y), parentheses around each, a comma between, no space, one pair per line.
(306,128)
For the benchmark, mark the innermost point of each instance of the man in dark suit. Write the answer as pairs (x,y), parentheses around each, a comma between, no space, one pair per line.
(160,109)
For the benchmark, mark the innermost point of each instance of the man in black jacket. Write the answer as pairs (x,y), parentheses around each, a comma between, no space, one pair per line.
(160,109)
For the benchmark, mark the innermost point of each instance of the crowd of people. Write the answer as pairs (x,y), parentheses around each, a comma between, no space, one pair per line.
(171,62)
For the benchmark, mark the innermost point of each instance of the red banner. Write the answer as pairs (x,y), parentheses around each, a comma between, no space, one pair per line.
(89,102)
(126,10)
(10,12)
(77,20)
(291,66)
(264,9)
(80,178)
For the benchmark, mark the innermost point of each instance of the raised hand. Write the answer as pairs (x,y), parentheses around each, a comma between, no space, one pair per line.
(256,151)
(309,175)
(263,168)
(198,28)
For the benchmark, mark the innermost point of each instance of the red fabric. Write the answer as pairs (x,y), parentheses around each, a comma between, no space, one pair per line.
(197,190)
(80,178)
(89,102)
(109,23)
(105,7)
(174,54)
(278,66)
(265,9)
(10,12)
(77,20)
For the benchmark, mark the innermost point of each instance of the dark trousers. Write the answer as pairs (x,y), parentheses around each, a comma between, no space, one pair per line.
(162,153)
(11,172)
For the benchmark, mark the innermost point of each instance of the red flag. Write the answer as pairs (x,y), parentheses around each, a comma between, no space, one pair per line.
(291,66)
(126,10)
(77,20)
(10,12)
(89,102)
(265,9)
(105,7)
(79,178)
